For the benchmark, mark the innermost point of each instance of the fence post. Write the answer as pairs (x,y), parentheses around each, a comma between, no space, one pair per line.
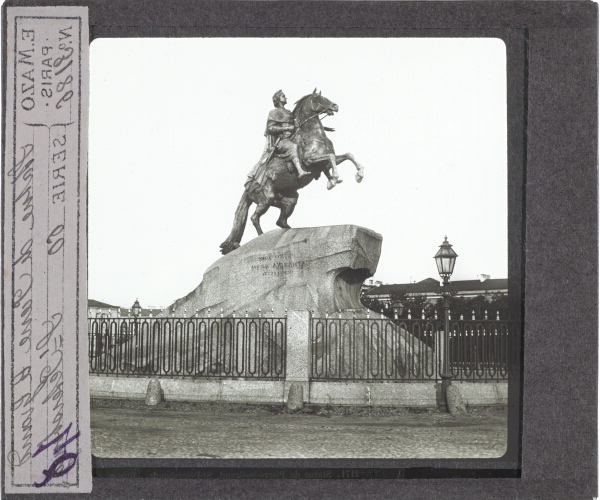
(297,352)
(440,346)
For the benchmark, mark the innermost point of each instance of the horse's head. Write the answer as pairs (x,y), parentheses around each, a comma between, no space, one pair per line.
(312,105)
(321,104)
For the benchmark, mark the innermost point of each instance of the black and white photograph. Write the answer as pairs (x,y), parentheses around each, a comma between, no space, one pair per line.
(295,249)
(298,248)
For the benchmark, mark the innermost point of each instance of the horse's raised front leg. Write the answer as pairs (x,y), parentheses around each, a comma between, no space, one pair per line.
(333,177)
(349,156)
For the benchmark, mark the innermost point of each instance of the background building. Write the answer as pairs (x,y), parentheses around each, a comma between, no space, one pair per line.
(97,309)
(430,289)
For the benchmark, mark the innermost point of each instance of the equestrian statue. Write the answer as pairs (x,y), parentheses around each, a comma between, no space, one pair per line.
(296,151)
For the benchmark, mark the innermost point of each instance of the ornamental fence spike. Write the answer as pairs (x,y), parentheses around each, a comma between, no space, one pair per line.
(259,313)
(473,315)
(246,313)
(461,317)
(423,313)
(486,315)
(409,315)
(498,315)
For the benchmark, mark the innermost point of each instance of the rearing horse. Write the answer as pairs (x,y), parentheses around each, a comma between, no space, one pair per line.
(280,185)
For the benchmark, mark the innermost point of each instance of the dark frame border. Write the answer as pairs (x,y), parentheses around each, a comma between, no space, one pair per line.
(554,214)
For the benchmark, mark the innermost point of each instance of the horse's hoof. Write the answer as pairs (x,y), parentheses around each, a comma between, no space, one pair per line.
(359,178)
(330,185)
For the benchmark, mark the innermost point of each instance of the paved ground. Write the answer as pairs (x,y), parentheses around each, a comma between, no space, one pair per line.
(129,429)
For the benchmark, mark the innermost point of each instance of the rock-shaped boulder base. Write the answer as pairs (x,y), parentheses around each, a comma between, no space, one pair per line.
(318,269)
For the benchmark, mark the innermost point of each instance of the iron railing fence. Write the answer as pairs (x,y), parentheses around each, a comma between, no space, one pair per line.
(247,347)
(483,350)
(374,348)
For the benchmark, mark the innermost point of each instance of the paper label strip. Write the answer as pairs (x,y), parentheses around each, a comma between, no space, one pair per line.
(44,187)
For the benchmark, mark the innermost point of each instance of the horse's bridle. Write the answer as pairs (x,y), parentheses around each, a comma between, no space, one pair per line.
(312,116)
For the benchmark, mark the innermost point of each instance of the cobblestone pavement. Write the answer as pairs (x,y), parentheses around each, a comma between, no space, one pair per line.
(131,430)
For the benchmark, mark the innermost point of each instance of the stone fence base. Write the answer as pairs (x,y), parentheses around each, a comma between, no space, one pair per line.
(398,394)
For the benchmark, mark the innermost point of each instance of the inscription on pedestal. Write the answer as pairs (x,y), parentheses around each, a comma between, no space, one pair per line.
(275,265)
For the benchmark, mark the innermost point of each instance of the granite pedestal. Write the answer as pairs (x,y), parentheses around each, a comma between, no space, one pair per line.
(318,269)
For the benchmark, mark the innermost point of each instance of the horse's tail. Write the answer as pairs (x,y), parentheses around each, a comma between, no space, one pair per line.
(239,224)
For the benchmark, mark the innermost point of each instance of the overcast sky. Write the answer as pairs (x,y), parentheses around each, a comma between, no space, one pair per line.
(177,124)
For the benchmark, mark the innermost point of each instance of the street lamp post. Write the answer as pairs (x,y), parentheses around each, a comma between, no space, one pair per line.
(397,307)
(445,258)
(136,309)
